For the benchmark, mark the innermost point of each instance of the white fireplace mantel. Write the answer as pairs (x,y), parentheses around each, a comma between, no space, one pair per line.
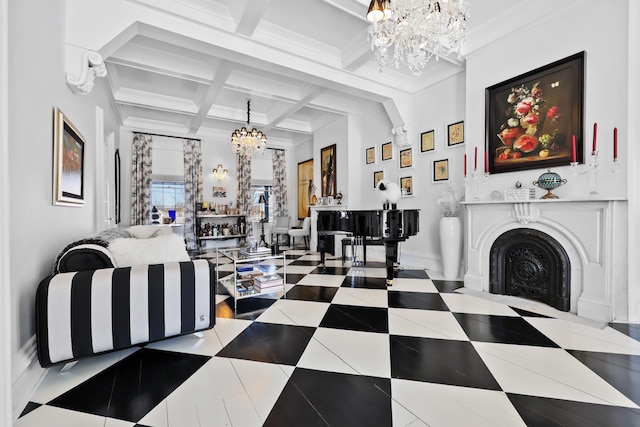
(592,232)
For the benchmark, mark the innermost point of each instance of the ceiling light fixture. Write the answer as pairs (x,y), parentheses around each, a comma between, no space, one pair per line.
(420,29)
(220,173)
(245,142)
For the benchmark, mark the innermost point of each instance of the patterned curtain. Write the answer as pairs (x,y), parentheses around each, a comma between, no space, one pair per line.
(141,179)
(192,188)
(280,183)
(243,188)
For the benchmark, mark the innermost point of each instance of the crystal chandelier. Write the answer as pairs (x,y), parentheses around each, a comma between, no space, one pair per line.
(248,142)
(419,29)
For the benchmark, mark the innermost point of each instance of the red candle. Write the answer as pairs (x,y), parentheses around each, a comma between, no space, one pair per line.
(595,134)
(573,148)
(486,162)
(465,165)
(615,143)
(475,159)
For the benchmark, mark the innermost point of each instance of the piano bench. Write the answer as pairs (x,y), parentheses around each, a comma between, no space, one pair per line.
(364,243)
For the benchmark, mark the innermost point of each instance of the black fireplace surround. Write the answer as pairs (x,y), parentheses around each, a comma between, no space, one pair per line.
(529,263)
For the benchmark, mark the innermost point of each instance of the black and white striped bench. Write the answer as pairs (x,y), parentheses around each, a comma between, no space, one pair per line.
(88,312)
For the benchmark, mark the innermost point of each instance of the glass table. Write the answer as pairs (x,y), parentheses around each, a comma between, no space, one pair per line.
(253,273)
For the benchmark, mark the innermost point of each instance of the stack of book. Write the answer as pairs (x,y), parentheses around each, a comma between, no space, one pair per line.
(248,273)
(267,283)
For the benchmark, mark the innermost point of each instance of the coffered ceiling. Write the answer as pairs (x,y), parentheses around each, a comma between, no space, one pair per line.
(187,67)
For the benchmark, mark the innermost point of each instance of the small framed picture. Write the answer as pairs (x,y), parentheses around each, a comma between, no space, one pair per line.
(455,133)
(377,177)
(406,185)
(387,151)
(406,159)
(370,155)
(427,142)
(441,170)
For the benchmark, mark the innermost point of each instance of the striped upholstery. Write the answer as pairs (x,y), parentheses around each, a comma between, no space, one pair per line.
(88,312)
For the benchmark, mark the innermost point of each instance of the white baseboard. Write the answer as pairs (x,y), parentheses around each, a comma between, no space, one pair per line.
(28,379)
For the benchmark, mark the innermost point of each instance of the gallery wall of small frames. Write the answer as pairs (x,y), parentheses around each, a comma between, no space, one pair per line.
(384,154)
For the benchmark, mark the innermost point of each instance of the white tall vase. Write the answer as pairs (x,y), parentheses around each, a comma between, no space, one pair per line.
(451,245)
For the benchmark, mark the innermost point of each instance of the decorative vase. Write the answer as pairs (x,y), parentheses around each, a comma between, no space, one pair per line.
(451,245)
(549,181)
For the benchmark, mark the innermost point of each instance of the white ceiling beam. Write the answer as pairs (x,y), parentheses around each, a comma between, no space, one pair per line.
(222,70)
(357,8)
(309,93)
(247,15)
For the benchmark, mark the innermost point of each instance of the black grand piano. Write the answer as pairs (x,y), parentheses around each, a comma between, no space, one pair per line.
(388,226)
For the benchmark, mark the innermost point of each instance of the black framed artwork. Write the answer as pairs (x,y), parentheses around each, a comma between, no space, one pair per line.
(531,118)
(455,134)
(427,141)
(387,151)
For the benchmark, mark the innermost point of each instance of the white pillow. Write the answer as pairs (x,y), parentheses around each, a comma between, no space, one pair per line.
(149,231)
(128,252)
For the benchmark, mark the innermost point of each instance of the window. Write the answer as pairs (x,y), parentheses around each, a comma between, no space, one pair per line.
(257,208)
(167,196)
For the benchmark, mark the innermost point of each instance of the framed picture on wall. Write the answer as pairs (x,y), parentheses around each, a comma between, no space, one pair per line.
(387,151)
(406,159)
(441,170)
(377,177)
(328,170)
(306,187)
(427,142)
(531,118)
(455,134)
(370,155)
(406,185)
(68,162)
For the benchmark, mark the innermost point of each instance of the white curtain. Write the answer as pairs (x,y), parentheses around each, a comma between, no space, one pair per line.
(141,179)
(192,188)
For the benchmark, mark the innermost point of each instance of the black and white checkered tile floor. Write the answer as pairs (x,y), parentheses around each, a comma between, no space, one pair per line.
(344,350)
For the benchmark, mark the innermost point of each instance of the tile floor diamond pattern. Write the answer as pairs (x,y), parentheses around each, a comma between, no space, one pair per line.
(343,349)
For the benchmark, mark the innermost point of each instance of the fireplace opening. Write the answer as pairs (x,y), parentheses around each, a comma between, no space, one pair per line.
(529,263)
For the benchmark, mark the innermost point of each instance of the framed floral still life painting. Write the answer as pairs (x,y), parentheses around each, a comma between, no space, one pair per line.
(68,162)
(427,142)
(531,118)
(455,134)
(441,170)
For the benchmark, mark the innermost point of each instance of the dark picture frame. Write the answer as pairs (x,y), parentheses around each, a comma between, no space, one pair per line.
(377,177)
(305,187)
(370,155)
(386,151)
(328,170)
(68,162)
(531,118)
(455,134)
(406,185)
(427,141)
(406,158)
(441,170)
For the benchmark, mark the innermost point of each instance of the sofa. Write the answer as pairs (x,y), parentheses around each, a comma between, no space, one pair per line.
(120,288)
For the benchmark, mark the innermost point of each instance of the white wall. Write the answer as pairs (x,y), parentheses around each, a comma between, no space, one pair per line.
(433,109)
(39,229)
